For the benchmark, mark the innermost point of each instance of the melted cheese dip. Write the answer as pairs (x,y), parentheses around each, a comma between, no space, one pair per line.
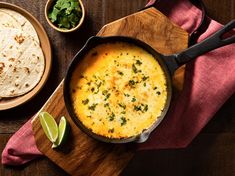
(118,90)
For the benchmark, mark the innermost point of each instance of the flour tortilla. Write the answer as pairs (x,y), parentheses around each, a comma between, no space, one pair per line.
(21,21)
(6,21)
(22,62)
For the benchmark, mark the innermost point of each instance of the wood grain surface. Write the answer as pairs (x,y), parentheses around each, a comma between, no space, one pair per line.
(211,153)
(100,158)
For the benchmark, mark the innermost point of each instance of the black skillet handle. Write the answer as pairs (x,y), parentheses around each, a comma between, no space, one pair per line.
(212,42)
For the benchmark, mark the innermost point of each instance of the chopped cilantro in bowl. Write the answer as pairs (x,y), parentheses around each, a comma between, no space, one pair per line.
(65,14)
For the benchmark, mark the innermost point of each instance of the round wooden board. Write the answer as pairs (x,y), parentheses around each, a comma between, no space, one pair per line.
(46,48)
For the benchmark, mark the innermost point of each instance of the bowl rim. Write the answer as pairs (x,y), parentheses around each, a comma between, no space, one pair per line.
(47,7)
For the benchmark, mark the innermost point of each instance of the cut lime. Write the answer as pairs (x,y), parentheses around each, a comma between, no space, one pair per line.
(49,126)
(63,132)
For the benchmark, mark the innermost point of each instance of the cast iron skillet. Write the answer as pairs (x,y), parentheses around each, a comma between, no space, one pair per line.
(168,63)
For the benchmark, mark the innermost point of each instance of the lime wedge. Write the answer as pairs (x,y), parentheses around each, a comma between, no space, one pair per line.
(49,126)
(63,132)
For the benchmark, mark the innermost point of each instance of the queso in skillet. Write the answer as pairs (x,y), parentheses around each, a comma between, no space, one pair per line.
(118,90)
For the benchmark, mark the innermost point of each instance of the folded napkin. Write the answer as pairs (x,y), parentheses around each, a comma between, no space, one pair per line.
(209,82)
(21,147)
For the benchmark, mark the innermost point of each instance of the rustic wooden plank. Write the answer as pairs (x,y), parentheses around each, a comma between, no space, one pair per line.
(209,154)
(224,119)
(162,162)
(222,11)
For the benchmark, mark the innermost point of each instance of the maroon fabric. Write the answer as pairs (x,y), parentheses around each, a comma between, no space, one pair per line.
(209,82)
(21,147)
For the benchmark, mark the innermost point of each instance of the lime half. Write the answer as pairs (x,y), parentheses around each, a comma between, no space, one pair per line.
(63,132)
(49,126)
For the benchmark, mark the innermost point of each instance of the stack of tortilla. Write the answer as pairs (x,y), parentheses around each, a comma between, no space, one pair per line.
(22,61)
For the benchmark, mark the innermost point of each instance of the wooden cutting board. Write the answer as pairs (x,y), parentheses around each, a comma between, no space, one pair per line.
(83,155)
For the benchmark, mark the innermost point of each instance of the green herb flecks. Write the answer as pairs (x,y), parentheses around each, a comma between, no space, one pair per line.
(132,83)
(146,107)
(143,108)
(86,101)
(134,69)
(93,106)
(133,99)
(123,121)
(137,108)
(122,105)
(138,62)
(97,86)
(144,78)
(65,13)
(120,73)
(111,130)
(111,117)
(106,94)
(83,76)
(106,105)
(158,93)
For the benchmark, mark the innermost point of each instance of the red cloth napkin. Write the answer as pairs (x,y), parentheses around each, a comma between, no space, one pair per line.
(21,147)
(209,82)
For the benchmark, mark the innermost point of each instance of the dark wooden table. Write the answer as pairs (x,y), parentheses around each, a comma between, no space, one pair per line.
(211,153)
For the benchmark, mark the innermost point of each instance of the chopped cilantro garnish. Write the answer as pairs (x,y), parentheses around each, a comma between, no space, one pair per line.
(120,73)
(137,108)
(111,130)
(111,117)
(86,101)
(135,70)
(107,96)
(122,105)
(123,121)
(145,78)
(106,105)
(143,108)
(138,62)
(133,99)
(93,106)
(104,92)
(65,13)
(131,83)
(146,107)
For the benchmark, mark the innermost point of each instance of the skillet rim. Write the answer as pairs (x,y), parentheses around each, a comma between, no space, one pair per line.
(93,42)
